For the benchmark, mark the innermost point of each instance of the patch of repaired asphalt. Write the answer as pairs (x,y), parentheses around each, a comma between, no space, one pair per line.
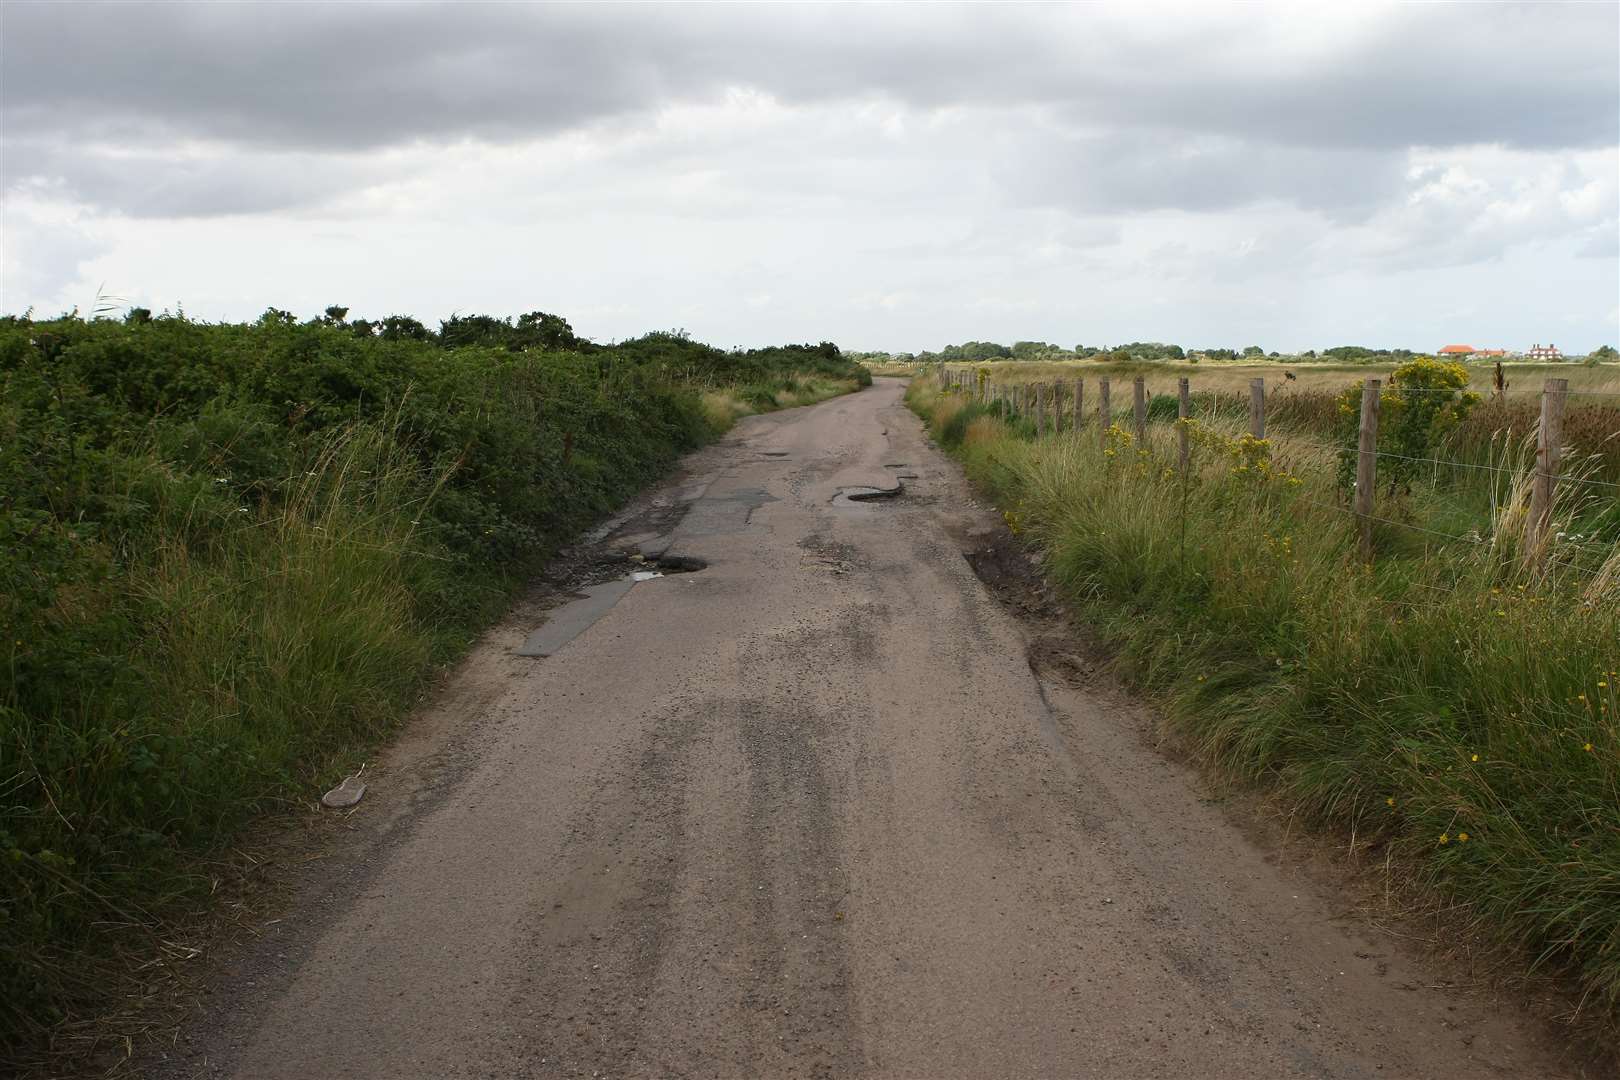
(717,514)
(604,572)
(571,620)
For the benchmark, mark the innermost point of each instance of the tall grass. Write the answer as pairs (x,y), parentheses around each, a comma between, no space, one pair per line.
(724,406)
(283,640)
(232,556)
(1441,702)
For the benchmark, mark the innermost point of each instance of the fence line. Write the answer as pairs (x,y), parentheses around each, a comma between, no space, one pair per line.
(1458,538)
(1317,444)
(1031,400)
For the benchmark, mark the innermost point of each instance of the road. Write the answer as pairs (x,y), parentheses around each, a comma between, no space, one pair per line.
(826,808)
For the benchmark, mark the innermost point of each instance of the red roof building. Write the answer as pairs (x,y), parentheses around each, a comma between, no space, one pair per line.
(1458,350)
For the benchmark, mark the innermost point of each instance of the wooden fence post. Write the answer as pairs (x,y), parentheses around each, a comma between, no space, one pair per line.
(1079,404)
(1183,411)
(1104,416)
(1040,410)
(1139,408)
(1257,408)
(1549,455)
(1367,464)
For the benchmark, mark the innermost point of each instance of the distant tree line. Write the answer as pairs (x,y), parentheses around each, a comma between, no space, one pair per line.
(1147,351)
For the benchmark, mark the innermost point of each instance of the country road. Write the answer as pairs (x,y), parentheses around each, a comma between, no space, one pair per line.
(821,809)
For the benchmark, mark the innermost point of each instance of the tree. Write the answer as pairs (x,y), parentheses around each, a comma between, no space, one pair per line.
(1604,354)
(546,331)
(336,314)
(460,330)
(276,317)
(1033,350)
(1152,350)
(1253,350)
(403,328)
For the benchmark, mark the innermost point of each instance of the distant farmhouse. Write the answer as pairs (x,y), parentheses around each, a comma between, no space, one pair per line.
(1468,350)
(1544,352)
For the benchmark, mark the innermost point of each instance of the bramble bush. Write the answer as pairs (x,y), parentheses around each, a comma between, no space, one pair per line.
(231,553)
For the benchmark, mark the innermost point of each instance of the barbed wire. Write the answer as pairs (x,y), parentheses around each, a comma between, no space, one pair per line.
(1560,478)
(1489,393)
(1455,537)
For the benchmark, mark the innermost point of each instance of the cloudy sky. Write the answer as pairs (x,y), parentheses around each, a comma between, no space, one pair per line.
(890,177)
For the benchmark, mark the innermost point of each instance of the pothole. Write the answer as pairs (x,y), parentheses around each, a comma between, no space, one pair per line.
(830,556)
(665,564)
(563,624)
(848,496)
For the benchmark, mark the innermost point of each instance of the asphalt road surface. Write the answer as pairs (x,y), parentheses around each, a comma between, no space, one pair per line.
(817,810)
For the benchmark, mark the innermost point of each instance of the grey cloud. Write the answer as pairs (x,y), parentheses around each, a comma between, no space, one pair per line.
(1601,242)
(55,255)
(353,76)
(151,183)
(1146,171)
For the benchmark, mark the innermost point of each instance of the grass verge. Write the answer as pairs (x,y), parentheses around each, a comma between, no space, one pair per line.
(1439,704)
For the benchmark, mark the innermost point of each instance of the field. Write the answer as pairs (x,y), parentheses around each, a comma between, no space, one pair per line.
(1226,377)
(1449,707)
(1308,402)
(231,556)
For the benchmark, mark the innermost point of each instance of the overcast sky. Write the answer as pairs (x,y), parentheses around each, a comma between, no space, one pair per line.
(885,177)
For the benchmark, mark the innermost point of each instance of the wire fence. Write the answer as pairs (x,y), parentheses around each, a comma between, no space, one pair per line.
(1055,407)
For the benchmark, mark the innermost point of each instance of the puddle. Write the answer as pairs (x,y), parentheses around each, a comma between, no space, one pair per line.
(774,453)
(849,496)
(565,623)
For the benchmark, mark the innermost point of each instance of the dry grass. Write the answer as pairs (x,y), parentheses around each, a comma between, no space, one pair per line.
(1234,378)
(1308,404)
(722,408)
